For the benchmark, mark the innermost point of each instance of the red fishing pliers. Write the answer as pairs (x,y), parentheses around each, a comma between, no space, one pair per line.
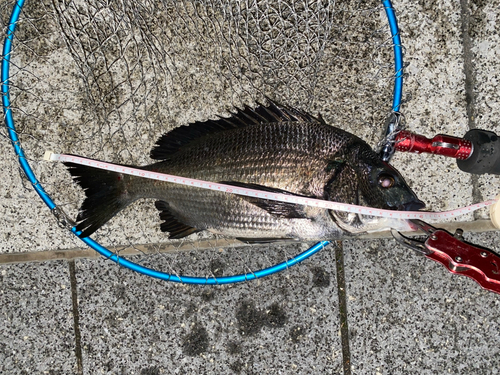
(458,256)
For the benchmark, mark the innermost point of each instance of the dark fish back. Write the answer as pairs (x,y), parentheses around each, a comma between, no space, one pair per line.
(272,146)
(191,135)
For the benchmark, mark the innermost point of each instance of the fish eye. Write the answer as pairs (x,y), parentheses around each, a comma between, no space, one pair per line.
(386,181)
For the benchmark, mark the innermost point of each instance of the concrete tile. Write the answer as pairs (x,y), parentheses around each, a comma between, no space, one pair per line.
(196,89)
(434,102)
(36,319)
(408,314)
(286,323)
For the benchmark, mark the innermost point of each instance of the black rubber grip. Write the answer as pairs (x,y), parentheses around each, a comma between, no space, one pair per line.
(485,157)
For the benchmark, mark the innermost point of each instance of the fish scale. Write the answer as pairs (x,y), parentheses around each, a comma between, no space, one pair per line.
(269,162)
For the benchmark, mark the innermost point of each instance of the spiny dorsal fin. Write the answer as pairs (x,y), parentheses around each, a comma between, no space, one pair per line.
(174,140)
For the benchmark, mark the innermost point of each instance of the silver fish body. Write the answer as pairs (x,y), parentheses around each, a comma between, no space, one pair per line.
(273,148)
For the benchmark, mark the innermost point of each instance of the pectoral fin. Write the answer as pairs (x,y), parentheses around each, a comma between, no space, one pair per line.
(348,221)
(279,209)
(253,241)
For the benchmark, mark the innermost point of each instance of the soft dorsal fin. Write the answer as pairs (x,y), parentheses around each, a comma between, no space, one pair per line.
(172,141)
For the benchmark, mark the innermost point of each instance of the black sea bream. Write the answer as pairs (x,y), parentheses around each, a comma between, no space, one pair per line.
(273,148)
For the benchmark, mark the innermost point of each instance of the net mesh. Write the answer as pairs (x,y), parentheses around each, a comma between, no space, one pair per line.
(105,79)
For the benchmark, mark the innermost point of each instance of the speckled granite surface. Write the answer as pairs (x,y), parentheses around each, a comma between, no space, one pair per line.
(36,319)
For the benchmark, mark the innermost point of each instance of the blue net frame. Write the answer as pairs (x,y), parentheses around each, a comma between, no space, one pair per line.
(9,122)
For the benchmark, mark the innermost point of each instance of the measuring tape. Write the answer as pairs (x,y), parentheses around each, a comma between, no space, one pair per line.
(335,206)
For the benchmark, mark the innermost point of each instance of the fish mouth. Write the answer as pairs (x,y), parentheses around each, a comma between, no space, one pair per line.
(414,205)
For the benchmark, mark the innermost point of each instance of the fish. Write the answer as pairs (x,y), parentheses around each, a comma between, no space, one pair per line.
(272,147)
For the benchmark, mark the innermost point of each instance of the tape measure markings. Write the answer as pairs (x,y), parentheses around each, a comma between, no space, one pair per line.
(336,206)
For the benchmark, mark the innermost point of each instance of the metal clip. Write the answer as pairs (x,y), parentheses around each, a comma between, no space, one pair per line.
(62,218)
(458,256)
(416,244)
(386,147)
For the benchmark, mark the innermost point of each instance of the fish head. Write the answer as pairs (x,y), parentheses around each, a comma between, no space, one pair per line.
(382,186)
(363,179)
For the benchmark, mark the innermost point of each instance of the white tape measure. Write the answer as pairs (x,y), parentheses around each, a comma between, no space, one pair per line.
(49,155)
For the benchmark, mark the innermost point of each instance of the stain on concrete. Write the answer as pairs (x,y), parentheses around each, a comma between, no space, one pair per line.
(196,341)
(151,371)
(296,333)
(234,347)
(251,319)
(321,278)
(275,316)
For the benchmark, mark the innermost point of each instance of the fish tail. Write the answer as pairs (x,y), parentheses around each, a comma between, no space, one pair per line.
(106,194)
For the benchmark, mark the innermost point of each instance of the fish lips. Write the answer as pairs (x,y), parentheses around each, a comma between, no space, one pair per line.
(414,205)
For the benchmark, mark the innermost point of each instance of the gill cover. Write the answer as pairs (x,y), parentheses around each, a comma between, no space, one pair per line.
(361,178)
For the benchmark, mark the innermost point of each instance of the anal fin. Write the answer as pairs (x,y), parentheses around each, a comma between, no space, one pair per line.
(174,227)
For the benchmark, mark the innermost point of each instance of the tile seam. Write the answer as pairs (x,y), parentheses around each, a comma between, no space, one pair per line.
(478,226)
(470,97)
(341,292)
(76,317)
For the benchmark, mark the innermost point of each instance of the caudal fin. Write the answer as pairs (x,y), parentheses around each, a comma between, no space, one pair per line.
(106,195)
